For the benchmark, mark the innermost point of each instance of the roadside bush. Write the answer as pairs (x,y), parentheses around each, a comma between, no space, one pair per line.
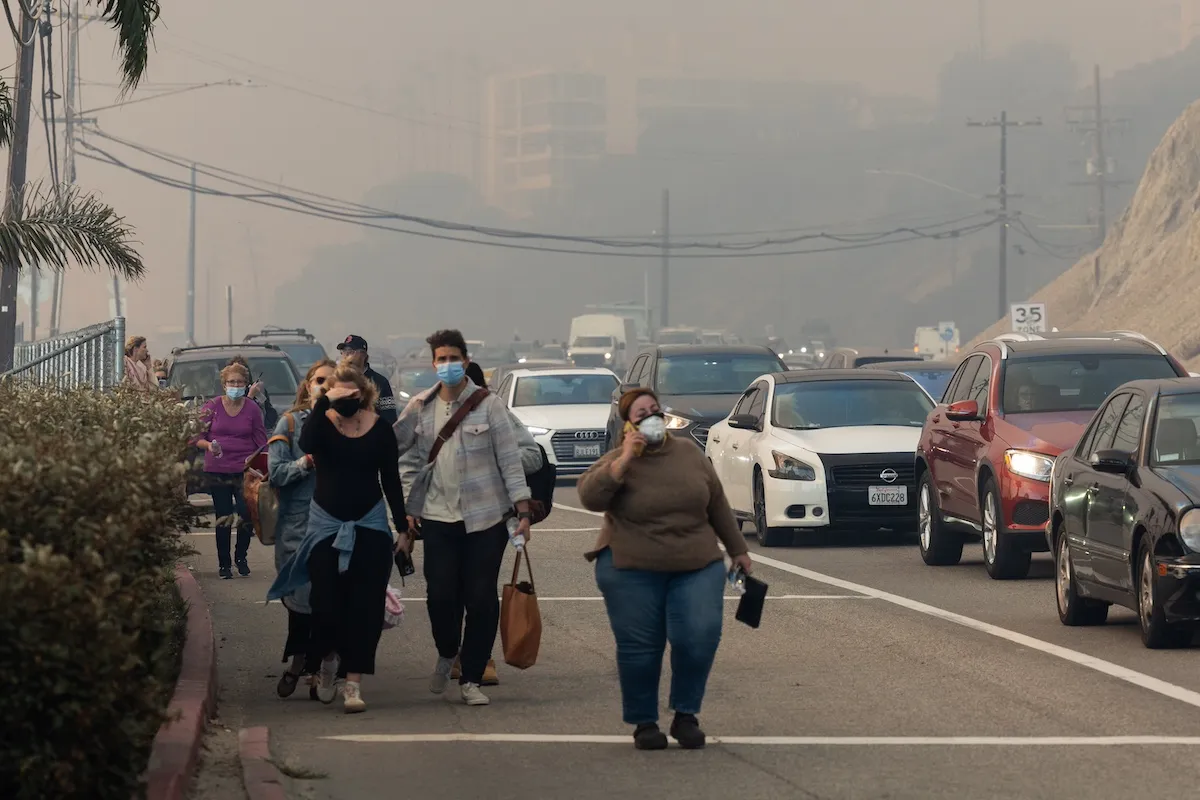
(91,504)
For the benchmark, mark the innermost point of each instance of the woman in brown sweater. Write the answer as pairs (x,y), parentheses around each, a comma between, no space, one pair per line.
(659,566)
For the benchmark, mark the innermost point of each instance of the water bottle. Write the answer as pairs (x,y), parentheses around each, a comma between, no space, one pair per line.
(515,539)
(737,580)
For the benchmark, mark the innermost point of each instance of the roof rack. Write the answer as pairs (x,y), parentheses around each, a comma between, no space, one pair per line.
(238,346)
(275,330)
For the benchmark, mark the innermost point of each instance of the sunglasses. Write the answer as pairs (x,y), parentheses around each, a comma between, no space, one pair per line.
(320,381)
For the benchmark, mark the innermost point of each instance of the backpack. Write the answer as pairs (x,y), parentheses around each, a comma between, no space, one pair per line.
(262,499)
(541,486)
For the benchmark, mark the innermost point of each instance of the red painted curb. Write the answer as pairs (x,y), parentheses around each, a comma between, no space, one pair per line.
(261,779)
(176,750)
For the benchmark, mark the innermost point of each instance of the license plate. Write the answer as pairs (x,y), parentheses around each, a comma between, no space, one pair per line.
(888,495)
(588,450)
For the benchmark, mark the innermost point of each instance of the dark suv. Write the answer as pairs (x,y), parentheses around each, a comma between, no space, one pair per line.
(697,385)
(984,459)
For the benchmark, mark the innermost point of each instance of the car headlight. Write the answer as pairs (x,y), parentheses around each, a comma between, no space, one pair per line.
(536,431)
(607,356)
(788,468)
(675,422)
(1189,529)
(1029,465)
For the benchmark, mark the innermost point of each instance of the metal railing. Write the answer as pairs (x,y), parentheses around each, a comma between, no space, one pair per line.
(89,357)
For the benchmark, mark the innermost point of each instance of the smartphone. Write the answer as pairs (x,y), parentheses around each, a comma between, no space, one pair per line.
(631,428)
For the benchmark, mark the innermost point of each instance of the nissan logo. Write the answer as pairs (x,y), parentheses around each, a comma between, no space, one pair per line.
(889,475)
(589,434)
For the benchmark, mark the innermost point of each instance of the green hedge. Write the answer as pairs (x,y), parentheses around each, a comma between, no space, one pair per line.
(91,503)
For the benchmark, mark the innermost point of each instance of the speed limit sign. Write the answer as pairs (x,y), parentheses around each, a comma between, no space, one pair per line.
(1028,317)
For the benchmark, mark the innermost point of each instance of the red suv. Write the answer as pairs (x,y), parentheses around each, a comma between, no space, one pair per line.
(1014,403)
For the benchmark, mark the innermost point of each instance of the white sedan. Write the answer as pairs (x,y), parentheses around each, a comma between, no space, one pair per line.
(565,409)
(825,448)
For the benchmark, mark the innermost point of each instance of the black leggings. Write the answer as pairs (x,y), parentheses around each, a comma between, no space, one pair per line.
(348,607)
(298,640)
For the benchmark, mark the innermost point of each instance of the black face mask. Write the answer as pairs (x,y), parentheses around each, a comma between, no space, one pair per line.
(346,406)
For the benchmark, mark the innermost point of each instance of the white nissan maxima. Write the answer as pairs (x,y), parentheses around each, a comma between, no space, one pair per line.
(822,448)
(565,409)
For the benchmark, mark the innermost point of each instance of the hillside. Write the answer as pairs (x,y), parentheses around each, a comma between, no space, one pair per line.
(1149,277)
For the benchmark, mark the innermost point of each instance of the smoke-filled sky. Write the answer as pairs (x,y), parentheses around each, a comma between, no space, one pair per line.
(327,107)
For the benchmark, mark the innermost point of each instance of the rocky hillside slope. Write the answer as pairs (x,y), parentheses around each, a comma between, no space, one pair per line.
(1149,266)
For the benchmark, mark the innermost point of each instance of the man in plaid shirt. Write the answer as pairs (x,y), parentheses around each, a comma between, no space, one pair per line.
(461,502)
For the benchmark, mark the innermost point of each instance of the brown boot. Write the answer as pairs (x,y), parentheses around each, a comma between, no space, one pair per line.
(456,670)
(490,678)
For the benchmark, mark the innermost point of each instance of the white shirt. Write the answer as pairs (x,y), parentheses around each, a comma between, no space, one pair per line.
(443,503)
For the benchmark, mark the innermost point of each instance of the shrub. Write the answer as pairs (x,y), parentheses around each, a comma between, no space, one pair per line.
(91,503)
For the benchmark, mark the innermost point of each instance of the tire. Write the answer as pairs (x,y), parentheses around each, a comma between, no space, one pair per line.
(1157,633)
(939,546)
(767,537)
(1001,555)
(1073,608)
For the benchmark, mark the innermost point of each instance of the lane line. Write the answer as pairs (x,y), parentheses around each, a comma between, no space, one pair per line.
(538,530)
(801,741)
(597,599)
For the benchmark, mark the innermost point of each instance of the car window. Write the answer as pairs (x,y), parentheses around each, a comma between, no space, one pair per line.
(759,404)
(1175,440)
(743,405)
(1106,426)
(1074,382)
(411,380)
(981,384)
(934,381)
(563,390)
(505,386)
(303,354)
(714,373)
(836,404)
(635,372)
(966,379)
(202,378)
(1129,430)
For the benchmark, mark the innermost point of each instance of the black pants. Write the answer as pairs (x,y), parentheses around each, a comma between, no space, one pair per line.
(227,500)
(461,570)
(348,607)
(299,641)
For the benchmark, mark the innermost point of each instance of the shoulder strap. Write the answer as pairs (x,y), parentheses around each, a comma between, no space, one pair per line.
(291,421)
(452,424)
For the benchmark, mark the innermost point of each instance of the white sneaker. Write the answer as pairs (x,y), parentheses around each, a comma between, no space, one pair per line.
(352,702)
(472,696)
(441,675)
(327,680)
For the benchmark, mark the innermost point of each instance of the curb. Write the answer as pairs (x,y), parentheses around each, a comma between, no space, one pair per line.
(176,750)
(261,779)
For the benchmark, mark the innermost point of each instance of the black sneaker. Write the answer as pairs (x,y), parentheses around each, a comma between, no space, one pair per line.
(243,568)
(647,736)
(226,573)
(685,729)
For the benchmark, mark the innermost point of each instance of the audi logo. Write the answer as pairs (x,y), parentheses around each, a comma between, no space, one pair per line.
(889,475)
(589,434)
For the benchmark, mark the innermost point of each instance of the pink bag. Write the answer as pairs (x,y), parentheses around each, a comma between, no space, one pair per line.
(393,609)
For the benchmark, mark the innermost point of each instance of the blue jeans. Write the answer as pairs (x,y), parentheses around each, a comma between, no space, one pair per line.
(227,498)
(646,610)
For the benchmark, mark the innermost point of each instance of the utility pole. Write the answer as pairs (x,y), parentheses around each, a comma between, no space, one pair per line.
(14,197)
(983,30)
(229,311)
(664,302)
(1002,194)
(190,306)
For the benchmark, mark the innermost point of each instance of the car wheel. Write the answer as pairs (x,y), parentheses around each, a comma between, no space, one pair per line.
(767,537)
(1001,555)
(1073,608)
(1157,633)
(939,547)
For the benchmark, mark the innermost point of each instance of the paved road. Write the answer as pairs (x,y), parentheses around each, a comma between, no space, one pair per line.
(873,676)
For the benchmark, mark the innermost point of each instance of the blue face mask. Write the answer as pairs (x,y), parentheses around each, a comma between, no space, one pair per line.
(235,392)
(451,373)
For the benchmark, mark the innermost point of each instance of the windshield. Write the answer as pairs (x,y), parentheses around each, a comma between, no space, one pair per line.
(203,378)
(415,379)
(1074,383)
(712,338)
(719,373)
(677,337)
(548,354)
(1175,440)
(933,381)
(841,404)
(304,354)
(564,390)
(593,341)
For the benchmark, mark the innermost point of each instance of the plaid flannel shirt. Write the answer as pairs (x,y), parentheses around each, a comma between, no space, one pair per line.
(486,457)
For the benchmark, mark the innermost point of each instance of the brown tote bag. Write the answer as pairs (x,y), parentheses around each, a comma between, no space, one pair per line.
(520,620)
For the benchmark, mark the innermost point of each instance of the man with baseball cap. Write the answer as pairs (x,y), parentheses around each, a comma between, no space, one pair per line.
(354,350)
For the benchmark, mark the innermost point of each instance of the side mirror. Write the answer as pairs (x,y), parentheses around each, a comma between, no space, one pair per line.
(963,411)
(744,422)
(627,387)
(1116,462)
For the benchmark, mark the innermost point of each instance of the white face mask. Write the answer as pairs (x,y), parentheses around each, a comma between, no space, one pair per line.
(654,429)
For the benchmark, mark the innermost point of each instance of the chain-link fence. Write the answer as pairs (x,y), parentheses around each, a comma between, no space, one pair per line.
(93,356)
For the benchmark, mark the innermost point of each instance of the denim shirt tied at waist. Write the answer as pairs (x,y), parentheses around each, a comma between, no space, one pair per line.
(294,573)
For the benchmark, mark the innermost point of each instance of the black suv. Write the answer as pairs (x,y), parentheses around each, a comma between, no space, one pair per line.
(697,385)
(300,345)
(195,372)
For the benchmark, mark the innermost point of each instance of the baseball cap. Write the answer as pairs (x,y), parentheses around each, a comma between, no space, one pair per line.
(353,342)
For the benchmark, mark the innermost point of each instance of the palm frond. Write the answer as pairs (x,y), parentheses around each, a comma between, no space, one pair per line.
(6,115)
(133,20)
(69,227)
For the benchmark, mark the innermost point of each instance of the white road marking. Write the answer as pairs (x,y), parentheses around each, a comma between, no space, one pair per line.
(1139,679)
(598,599)
(801,741)
(536,530)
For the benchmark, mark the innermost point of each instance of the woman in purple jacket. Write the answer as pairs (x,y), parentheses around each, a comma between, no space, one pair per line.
(235,432)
